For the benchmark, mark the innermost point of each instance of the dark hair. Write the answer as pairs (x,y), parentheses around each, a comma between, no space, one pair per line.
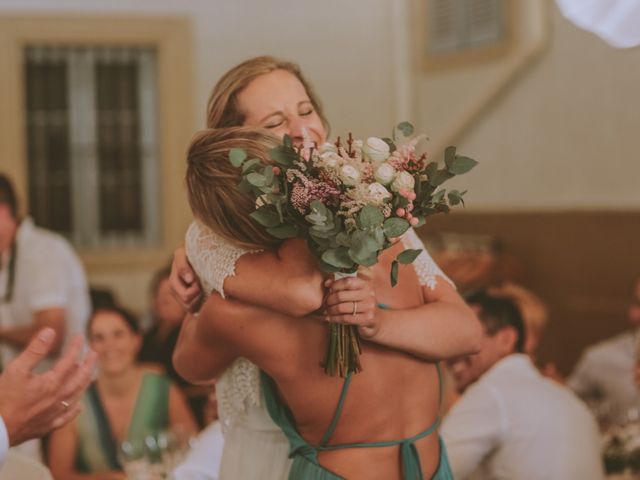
(128,317)
(8,195)
(497,313)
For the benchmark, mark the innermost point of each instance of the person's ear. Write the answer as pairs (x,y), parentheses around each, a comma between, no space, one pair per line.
(507,338)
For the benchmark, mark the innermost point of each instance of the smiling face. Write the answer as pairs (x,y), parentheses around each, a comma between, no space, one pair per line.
(279,102)
(113,339)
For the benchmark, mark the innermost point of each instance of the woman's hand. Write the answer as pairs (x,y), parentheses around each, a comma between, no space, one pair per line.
(185,286)
(352,301)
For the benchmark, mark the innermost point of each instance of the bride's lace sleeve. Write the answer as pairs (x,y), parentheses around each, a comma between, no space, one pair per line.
(212,257)
(426,268)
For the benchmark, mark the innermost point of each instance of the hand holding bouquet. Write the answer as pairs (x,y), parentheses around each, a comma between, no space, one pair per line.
(350,200)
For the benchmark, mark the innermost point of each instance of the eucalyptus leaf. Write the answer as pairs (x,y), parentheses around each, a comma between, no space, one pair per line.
(343,239)
(395,227)
(440,177)
(406,128)
(394,273)
(449,155)
(244,186)
(370,216)
(460,165)
(408,256)
(338,257)
(256,179)
(438,196)
(250,165)
(266,215)
(283,231)
(237,156)
(431,169)
(283,156)
(391,143)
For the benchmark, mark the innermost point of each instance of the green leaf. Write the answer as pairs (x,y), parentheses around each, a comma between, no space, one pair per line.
(391,143)
(250,165)
(395,227)
(431,169)
(337,257)
(256,179)
(408,256)
(449,155)
(406,128)
(266,215)
(237,156)
(455,197)
(370,216)
(343,239)
(460,165)
(438,196)
(286,141)
(364,248)
(283,231)
(283,155)
(440,177)
(394,273)
(268,175)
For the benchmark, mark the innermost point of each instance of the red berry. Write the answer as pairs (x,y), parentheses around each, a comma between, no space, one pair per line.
(400,212)
(414,221)
(277,170)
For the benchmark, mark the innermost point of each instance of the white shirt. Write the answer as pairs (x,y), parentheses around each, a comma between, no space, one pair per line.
(48,274)
(606,369)
(4,441)
(203,461)
(514,424)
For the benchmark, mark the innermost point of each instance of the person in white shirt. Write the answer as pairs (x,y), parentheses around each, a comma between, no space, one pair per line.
(31,405)
(42,281)
(605,371)
(511,422)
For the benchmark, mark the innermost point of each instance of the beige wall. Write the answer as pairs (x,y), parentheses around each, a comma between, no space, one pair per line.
(562,136)
(565,135)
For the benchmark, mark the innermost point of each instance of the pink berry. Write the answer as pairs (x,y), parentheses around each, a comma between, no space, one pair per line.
(400,212)
(277,170)
(414,221)
(411,196)
(409,216)
(403,192)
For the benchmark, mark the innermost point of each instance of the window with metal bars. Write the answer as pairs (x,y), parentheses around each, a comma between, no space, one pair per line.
(92,143)
(457,26)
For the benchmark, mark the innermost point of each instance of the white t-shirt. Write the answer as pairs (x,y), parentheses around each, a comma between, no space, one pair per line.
(203,461)
(514,424)
(48,274)
(606,369)
(4,442)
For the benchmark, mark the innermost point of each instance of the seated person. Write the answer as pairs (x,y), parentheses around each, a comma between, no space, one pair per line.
(511,422)
(126,402)
(605,370)
(160,341)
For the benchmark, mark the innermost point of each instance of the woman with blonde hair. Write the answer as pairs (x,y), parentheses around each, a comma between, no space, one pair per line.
(223,246)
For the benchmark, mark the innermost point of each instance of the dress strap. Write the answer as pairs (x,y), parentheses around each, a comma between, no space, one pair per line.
(338,413)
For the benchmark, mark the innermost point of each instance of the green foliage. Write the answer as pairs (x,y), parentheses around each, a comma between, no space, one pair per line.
(395,227)
(369,217)
(394,273)
(408,256)
(460,165)
(406,128)
(237,156)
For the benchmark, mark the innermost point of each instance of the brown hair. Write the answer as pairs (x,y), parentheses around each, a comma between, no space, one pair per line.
(212,183)
(222,108)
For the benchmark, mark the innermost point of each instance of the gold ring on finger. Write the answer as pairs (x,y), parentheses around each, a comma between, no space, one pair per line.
(65,404)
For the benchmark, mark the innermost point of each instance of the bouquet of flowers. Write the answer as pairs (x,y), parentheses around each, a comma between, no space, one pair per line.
(350,200)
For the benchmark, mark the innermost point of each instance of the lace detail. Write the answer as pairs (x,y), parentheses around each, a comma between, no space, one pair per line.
(214,259)
(426,268)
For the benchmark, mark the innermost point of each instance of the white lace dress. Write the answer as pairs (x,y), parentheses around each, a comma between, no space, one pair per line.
(255,448)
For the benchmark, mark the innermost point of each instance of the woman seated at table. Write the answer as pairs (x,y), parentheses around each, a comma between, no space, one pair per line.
(126,402)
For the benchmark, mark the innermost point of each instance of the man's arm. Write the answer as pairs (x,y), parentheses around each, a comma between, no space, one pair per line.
(32,405)
(20,336)
(473,428)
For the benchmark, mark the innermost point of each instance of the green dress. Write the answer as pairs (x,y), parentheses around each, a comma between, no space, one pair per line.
(305,464)
(97,448)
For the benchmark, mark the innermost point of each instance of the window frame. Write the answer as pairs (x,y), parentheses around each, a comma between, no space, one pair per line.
(434,62)
(171,38)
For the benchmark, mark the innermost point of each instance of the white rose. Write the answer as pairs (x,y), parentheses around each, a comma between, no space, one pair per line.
(385,174)
(403,180)
(376,149)
(330,159)
(327,147)
(378,192)
(349,175)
